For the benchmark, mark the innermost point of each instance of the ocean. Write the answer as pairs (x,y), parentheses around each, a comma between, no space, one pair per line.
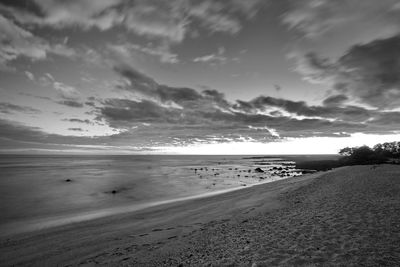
(38,191)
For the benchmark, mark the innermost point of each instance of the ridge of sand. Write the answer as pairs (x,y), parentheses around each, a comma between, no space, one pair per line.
(348,216)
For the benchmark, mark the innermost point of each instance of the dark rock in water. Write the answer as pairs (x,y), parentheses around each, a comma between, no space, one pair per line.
(114,192)
(68,180)
(258,170)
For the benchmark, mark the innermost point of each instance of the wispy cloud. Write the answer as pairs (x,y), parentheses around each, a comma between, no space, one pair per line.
(163,23)
(314,19)
(70,103)
(169,20)
(8,108)
(30,75)
(66,91)
(215,58)
(162,53)
(17,41)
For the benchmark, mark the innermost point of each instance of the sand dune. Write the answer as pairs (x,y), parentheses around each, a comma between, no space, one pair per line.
(348,216)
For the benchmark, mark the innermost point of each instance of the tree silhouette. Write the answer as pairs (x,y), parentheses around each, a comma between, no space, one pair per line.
(380,153)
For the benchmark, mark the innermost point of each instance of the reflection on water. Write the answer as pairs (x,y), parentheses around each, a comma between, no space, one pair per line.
(37,187)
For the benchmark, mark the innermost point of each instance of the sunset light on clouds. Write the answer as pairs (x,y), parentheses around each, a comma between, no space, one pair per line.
(198,77)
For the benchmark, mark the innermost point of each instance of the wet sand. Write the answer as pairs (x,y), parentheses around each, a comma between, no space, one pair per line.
(348,216)
(41,191)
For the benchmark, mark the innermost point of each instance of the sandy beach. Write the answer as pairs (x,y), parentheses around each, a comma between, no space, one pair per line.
(347,216)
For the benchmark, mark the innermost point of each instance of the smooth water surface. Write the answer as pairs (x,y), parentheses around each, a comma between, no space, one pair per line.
(40,187)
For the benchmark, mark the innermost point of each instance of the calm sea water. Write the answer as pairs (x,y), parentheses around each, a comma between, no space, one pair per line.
(44,188)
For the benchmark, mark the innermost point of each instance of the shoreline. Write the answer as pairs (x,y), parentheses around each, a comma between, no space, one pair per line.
(152,224)
(347,216)
(46,193)
(26,226)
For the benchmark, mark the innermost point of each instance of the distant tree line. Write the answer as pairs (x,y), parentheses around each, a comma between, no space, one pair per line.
(363,155)
(380,153)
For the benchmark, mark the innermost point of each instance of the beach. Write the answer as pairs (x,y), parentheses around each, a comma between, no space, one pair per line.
(45,191)
(347,216)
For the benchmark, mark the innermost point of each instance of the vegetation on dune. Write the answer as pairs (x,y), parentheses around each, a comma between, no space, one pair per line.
(363,155)
(380,153)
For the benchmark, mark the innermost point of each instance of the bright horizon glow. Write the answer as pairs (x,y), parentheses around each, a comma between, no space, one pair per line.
(287,146)
(197,77)
(290,146)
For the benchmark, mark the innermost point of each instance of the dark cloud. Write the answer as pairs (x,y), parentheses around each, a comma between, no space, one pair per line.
(373,72)
(13,131)
(138,81)
(8,108)
(167,123)
(188,115)
(14,136)
(70,103)
(90,104)
(301,108)
(86,121)
(76,129)
(209,108)
(184,97)
(386,119)
(368,73)
(335,100)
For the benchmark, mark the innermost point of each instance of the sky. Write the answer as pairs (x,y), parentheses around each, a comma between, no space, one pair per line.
(198,76)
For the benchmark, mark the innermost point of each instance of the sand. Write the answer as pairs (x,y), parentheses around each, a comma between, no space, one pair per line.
(348,216)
